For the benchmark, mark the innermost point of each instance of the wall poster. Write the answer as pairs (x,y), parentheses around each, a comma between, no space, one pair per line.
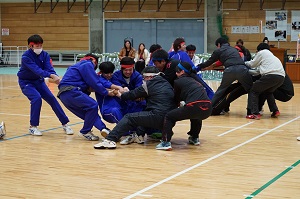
(276,25)
(295,25)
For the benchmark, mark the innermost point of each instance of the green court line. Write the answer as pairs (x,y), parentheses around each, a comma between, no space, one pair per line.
(273,180)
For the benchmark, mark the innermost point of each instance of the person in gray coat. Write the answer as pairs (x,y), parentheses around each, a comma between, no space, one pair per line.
(235,68)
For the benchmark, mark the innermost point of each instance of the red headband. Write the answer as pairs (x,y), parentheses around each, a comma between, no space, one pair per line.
(191,50)
(88,58)
(127,66)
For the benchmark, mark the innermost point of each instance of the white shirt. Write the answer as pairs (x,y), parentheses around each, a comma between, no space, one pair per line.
(266,63)
(196,60)
(146,56)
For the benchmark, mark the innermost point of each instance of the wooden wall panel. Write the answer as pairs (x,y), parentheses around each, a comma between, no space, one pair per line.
(60,30)
(251,15)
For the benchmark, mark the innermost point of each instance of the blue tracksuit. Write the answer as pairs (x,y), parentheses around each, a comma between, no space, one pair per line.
(34,68)
(110,107)
(78,79)
(182,56)
(136,80)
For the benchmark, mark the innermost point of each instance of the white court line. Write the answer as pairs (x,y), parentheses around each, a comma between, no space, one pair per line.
(27,115)
(225,127)
(22,115)
(207,160)
(235,129)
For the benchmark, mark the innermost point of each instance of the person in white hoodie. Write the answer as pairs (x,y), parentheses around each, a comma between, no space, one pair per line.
(272,76)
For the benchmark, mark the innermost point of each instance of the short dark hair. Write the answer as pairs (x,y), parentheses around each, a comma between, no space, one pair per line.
(107,67)
(154,47)
(127,61)
(239,41)
(94,56)
(150,69)
(191,47)
(265,39)
(36,39)
(263,46)
(221,41)
(160,55)
(177,43)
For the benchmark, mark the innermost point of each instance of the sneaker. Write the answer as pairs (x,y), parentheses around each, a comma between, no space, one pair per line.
(89,136)
(275,114)
(105,144)
(33,130)
(164,146)
(194,141)
(104,132)
(253,116)
(133,138)
(127,140)
(139,139)
(2,130)
(68,129)
(298,138)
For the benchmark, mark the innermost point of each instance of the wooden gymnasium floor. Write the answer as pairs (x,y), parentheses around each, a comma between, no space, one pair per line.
(237,158)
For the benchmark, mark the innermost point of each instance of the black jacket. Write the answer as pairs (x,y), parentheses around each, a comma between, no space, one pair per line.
(158,93)
(189,90)
(228,55)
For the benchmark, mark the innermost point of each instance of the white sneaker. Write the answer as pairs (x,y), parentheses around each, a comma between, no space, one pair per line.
(89,136)
(105,144)
(298,138)
(104,132)
(127,140)
(2,130)
(33,130)
(139,139)
(133,138)
(68,129)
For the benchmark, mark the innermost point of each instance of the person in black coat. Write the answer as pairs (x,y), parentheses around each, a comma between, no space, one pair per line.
(196,106)
(159,95)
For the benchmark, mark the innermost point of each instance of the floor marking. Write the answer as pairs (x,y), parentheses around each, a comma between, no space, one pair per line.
(272,181)
(205,161)
(225,127)
(27,115)
(19,136)
(236,128)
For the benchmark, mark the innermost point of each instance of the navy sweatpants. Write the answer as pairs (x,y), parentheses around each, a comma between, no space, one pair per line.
(35,91)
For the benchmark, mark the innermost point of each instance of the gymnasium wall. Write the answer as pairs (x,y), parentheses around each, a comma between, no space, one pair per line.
(251,15)
(60,30)
(70,31)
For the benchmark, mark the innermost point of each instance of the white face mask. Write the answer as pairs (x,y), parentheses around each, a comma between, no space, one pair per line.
(37,51)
